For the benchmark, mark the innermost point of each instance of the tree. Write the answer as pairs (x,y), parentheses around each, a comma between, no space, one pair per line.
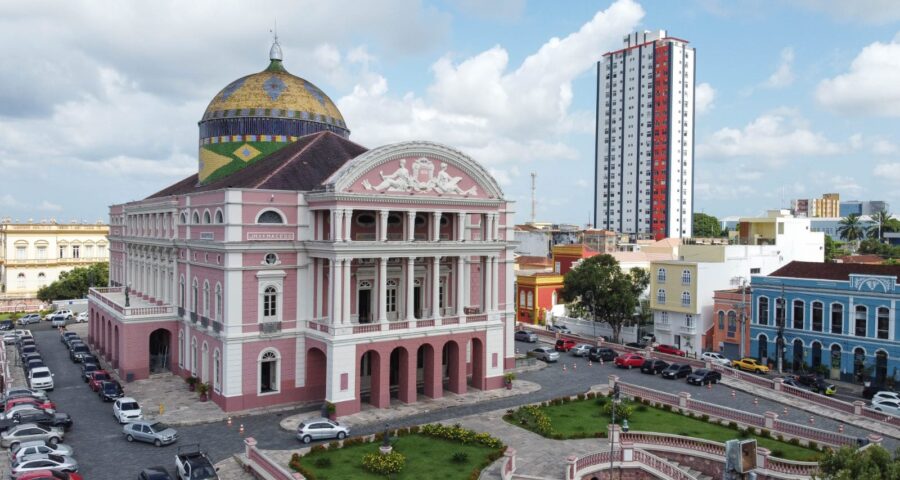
(881,219)
(871,463)
(850,228)
(606,292)
(707,226)
(75,283)
(830,249)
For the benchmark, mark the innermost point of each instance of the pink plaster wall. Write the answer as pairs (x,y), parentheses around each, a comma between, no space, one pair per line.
(374,177)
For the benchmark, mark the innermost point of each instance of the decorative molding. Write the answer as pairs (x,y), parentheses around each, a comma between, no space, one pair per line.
(871,283)
(269,236)
(423,179)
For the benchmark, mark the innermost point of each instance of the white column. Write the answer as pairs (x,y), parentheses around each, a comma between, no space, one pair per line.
(486,226)
(495,281)
(496,224)
(460,285)
(334,303)
(486,298)
(337,219)
(348,222)
(436,226)
(461,226)
(382,289)
(410,288)
(383,225)
(410,225)
(345,310)
(436,288)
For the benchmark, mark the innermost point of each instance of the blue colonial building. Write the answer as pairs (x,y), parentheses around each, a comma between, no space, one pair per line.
(842,316)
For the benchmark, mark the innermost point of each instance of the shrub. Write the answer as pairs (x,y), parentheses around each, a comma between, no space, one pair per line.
(794,441)
(457,433)
(460,457)
(334,445)
(732,425)
(623,410)
(354,441)
(580,396)
(591,395)
(813,445)
(532,418)
(322,462)
(601,401)
(777,453)
(743,433)
(765,433)
(705,417)
(317,448)
(414,429)
(384,464)
(641,408)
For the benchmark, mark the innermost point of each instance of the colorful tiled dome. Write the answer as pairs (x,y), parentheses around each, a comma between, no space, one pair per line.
(260,113)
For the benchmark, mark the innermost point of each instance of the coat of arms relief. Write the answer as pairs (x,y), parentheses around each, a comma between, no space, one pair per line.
(422,179)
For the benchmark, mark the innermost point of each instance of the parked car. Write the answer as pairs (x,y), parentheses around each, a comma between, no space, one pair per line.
(65,313)
(90,358)
(38,447)
(677,370)
(127,409)
(65,335)
(563,345)
(559,328)
(41,378)
(704,376)
(52,462)
(669,349)
(544,353)
(748,364)
(33,363)
(654,366)
(157,433)
(792,382)
(110,391)
(635,345)
(72,340)
(78,351)
(581,350)
(891,407)
(321,428)
(6,325)
(629,361)
(602,353)
(98,377)
(886,395)
(526,336)
(28,349)
(82,317)
(27,432)
(816,383)
(29,319)
(49,475)
(25,392)
(10,338)
(192,464)
(87,369)
(47,419)
(155,473)
(58,321)
(41,404)
(715,357)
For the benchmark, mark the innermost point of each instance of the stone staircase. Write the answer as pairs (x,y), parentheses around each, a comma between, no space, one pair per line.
(690,471)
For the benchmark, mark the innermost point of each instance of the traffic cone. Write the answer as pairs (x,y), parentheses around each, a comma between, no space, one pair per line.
(733,394)
(574,366)
(841,428)
(590,364)
(241,431)
(564,367)
(755,401)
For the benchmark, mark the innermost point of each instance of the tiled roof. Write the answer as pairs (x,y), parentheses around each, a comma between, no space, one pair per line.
(873,259)
(533,260)
(833,271)
(302,166)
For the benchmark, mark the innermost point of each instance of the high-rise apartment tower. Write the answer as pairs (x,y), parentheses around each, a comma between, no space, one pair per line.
(644,176)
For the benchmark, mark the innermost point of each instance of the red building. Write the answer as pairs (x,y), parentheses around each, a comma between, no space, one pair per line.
(727,325)
(537,293)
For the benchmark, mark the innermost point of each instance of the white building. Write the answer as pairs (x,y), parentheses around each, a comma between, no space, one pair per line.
(644,174)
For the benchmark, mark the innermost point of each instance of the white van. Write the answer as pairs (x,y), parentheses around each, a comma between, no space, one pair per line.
(40,378)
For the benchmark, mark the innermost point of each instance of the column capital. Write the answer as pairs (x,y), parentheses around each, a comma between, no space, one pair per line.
(384,259)
(384,211)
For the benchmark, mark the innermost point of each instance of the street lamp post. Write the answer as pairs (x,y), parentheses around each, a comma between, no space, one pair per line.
(612,442)
(779,341)
(742,307)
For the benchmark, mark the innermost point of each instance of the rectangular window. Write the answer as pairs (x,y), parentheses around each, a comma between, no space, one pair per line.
(391,300)
(76,251)
(884,323)
(779,312)
(62,251)
(837,318)
(763,311)
(42,253)
(798,315)
(817,316)
(860,321)
(20,253)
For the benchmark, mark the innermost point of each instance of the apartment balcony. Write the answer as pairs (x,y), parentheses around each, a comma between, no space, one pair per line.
(688,329)
(432,326)
(139,308)
(665,327)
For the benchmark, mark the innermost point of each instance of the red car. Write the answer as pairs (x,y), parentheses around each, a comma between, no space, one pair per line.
(29,401)
(48,475)
(564,345)
(98,377)
(629,360)
(670,350)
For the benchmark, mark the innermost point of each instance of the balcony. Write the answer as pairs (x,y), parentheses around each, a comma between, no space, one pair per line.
(194,317)
(688,329)
(664,326)
(217,327)
(204,322)
(113,299)
(323,326)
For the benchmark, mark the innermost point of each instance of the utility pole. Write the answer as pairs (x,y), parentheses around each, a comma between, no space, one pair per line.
(533,196)
(779,342)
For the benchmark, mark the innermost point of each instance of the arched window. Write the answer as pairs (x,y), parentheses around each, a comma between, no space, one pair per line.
(797,315)
(269,381)
(20,280)
(817,316)
(884,323)
(861,318)
(42,279)
(183,218)
(685,299)
(196,218)
(218,302)
(762,311)
(194,356)
(661,275)
(660,296)
(206,217)
(721,320)
(270,297)
(181,292)
(217,365)
(195,294)
(521,298)
(685,277)
(530,300)
(732,323)
(837,318)
(181,348)
(664,318)
(206,299)
(269,216)
(219,217)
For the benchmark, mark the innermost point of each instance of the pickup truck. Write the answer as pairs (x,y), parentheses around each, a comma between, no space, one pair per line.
(192,464)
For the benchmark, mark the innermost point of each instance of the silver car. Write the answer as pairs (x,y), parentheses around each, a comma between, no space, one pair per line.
(581,350)
(319,428)
(37,447)
(526,336)
(58,463)
(28,432)
(29,319)
(157,433)
(546,354)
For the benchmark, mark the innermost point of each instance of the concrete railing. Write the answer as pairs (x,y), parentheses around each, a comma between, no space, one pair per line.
(263,467)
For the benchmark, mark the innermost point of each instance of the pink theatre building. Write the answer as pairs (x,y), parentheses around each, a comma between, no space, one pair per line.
(298,266)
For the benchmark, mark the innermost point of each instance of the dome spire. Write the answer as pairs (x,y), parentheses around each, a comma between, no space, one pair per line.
(275,51)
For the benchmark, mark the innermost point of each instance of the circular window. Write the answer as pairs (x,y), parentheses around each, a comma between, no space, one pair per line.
(444,220)
(271,259)
(420,219)
(393,219)
(365,219)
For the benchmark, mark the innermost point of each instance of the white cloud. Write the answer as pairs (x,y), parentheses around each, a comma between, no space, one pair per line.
(49,207)
(866,11)
(889,171)
(498,113)
(494,9)
(784,74)
(774,136)
(884,147)
(704,98)
(871,87)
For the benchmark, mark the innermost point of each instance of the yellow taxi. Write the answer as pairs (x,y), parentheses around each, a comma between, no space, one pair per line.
(748,364)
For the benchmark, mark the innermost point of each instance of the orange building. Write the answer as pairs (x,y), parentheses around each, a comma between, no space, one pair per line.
(727,334)
(538,292)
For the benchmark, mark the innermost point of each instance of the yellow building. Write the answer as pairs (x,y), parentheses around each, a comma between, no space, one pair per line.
(828,206)
(33,255)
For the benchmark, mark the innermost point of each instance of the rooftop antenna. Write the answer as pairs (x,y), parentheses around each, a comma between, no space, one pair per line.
(533,196)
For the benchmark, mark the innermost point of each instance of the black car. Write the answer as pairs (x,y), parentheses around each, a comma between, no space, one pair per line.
(66,336)
(78,351)
(871,390)
(635,345)
(155,473)
(704,376)
(602,353)
(62,420)
(652,367)
(27,350)
(33,363)
(90,358)
(792,382)
(86,369)
(110,391)
(6,325)
(816,383)
(677,370)
(74,342)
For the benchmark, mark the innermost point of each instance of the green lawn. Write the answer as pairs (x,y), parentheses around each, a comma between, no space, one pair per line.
(4,316)
(580,418)
(426,457)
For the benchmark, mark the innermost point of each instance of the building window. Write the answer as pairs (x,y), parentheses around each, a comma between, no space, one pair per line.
(219,218)
(270,216)
(837,318)
(530,300)
(42,279)
(268,372)
(689,321)
(732,323)
(779,312)
(686,277)
(721,320)
(181,292)
(660,296)
(62,251)
(76,251)
(206,299)
(196,218)
(21,253)
(217,376)
(271,259)
(661,275)
(195,295)
(270,297)
(762,311)
(42,253)
(798,315)
(194,357)
(884,323)
(207,219)
(20,280)
(754,271)
(522,298)
(817,316)
(89,251)
(685,299)
(861,317)
(218,302)
(664,318)
(391,300)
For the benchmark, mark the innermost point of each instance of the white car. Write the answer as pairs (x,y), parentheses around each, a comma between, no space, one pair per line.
(26,392)
(82,317)
(38,447)
(714,357)
(891,407)
(127,410)
(40,378)
(66,313)
(886,395)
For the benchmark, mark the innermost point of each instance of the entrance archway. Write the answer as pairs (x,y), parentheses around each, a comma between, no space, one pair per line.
(160,344)
(836,361)
(816,356)
(881,361)
(859,364)
(454,367)
(798,364)
(762,346)
(478,367)
(316,374)
(373,380)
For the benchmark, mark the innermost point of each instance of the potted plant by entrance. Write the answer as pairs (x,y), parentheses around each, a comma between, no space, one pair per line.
(192,382)
(203,390)
(509,377)
(331,410)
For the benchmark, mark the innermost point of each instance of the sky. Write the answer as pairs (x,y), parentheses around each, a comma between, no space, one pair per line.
(99,100)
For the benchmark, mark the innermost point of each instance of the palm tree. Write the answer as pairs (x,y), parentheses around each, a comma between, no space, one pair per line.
(881,218)
(850,228)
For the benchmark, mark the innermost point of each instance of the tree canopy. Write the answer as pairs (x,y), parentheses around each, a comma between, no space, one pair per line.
(872,463)
(707,226)
(75,283)
(851,229)
(606,292)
